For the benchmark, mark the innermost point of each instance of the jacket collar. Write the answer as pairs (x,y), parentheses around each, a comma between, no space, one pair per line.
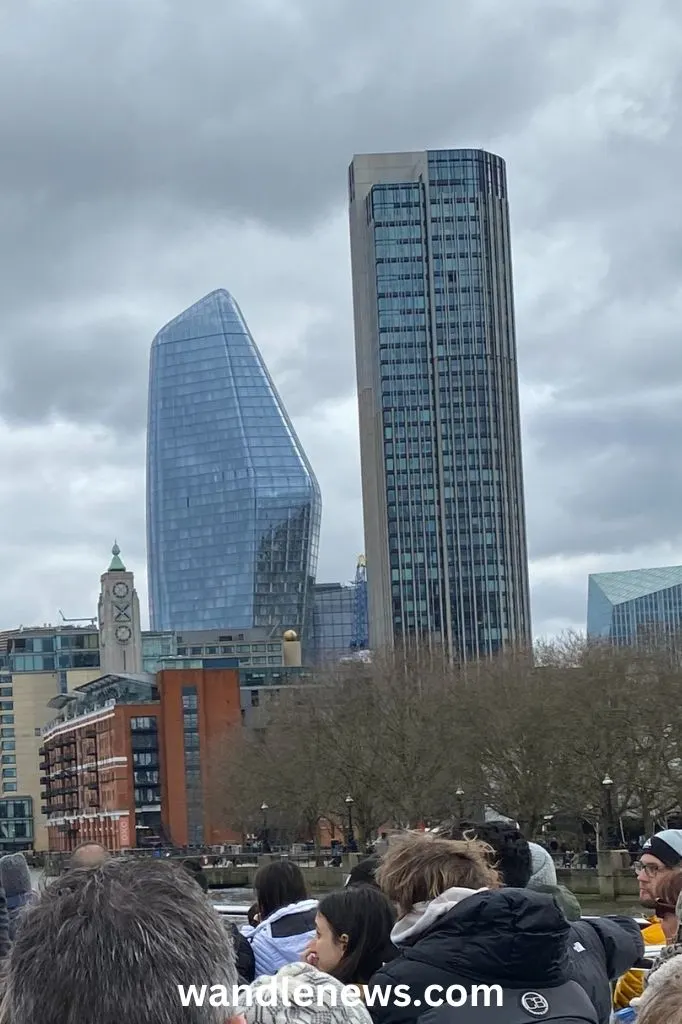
(424,915)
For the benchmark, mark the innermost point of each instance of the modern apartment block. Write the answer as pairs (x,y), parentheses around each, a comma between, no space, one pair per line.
(440,438)
(635,606)
(233,506)
(127,760)
(36,665)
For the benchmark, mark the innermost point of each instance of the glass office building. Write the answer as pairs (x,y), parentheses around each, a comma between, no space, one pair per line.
(440,439)
(233,506)
(629,608)
(334,615)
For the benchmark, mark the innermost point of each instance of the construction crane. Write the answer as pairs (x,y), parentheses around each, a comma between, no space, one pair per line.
(360,639)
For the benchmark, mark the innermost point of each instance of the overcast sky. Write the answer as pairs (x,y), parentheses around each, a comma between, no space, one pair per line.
(152,150)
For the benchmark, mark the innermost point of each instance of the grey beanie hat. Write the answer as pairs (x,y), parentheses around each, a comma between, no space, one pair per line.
(15,877)
(542,866)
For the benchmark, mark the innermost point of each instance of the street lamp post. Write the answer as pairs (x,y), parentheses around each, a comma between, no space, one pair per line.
(264,809)
(459,793)
(607,783)
(349,805)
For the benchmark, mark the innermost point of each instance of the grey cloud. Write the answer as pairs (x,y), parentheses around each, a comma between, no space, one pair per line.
(608,478)
(258,115)
(144,141)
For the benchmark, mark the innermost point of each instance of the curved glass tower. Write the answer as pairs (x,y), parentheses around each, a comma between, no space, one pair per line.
(440,440)
(233,506)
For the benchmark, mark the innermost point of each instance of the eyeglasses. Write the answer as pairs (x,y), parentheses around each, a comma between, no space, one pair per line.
(648,869)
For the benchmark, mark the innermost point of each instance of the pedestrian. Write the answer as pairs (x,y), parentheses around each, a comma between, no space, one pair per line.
(286,999)
(89,855)
(364,872)
(15,879)
(544,879)
(458,927)
(661,856)
(352,934)
(286,917)
(599,949)
(113,945)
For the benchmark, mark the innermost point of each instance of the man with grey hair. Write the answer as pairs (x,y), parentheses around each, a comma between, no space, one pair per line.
(113,945)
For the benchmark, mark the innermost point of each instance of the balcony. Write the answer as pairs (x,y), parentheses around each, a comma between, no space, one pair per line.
(44,766)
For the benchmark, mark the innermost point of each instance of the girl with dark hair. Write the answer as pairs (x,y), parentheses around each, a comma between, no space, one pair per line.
(352,934)
(286,917)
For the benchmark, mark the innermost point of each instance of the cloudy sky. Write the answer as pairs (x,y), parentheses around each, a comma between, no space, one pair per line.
(153,150)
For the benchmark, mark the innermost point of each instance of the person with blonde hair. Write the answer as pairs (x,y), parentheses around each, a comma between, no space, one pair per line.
(663,1005)
(458,928)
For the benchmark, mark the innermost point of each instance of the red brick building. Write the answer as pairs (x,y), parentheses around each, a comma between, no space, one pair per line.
(201,708)
(126,761)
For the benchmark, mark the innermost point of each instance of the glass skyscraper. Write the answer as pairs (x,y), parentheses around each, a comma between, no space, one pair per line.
(635,606)
(445,529)
(233,506)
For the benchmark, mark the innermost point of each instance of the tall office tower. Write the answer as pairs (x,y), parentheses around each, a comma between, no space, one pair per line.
(440,439)
(233,506)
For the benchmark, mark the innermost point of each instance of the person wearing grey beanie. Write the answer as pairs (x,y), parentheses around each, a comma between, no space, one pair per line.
(15,879)
(544,879)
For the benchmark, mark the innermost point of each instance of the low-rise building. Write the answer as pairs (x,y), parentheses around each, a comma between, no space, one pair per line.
(100,767)
(126,762)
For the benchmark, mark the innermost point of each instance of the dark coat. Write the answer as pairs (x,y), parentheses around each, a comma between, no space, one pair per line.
(514,938)
(246,961)
(601,949)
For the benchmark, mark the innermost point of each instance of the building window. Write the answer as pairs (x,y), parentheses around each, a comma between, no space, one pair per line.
(6,705)
(7,719)
(9,773)
(5,691)
(8,759)
(146,724)
(193,786)
(9,787)
(7,733)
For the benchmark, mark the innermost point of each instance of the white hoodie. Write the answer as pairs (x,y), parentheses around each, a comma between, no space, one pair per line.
(423,915)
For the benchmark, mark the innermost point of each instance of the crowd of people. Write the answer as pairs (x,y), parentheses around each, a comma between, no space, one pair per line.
(116,939)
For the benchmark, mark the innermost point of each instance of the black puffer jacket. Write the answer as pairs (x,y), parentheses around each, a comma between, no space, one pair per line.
(513,938)
(600,950)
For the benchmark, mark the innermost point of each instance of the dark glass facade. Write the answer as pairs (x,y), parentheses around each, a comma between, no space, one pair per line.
(439,411)
(334,620)
(233,506)
(16,823)
(636,606)
(193,786)
(144,738)
(51,652)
